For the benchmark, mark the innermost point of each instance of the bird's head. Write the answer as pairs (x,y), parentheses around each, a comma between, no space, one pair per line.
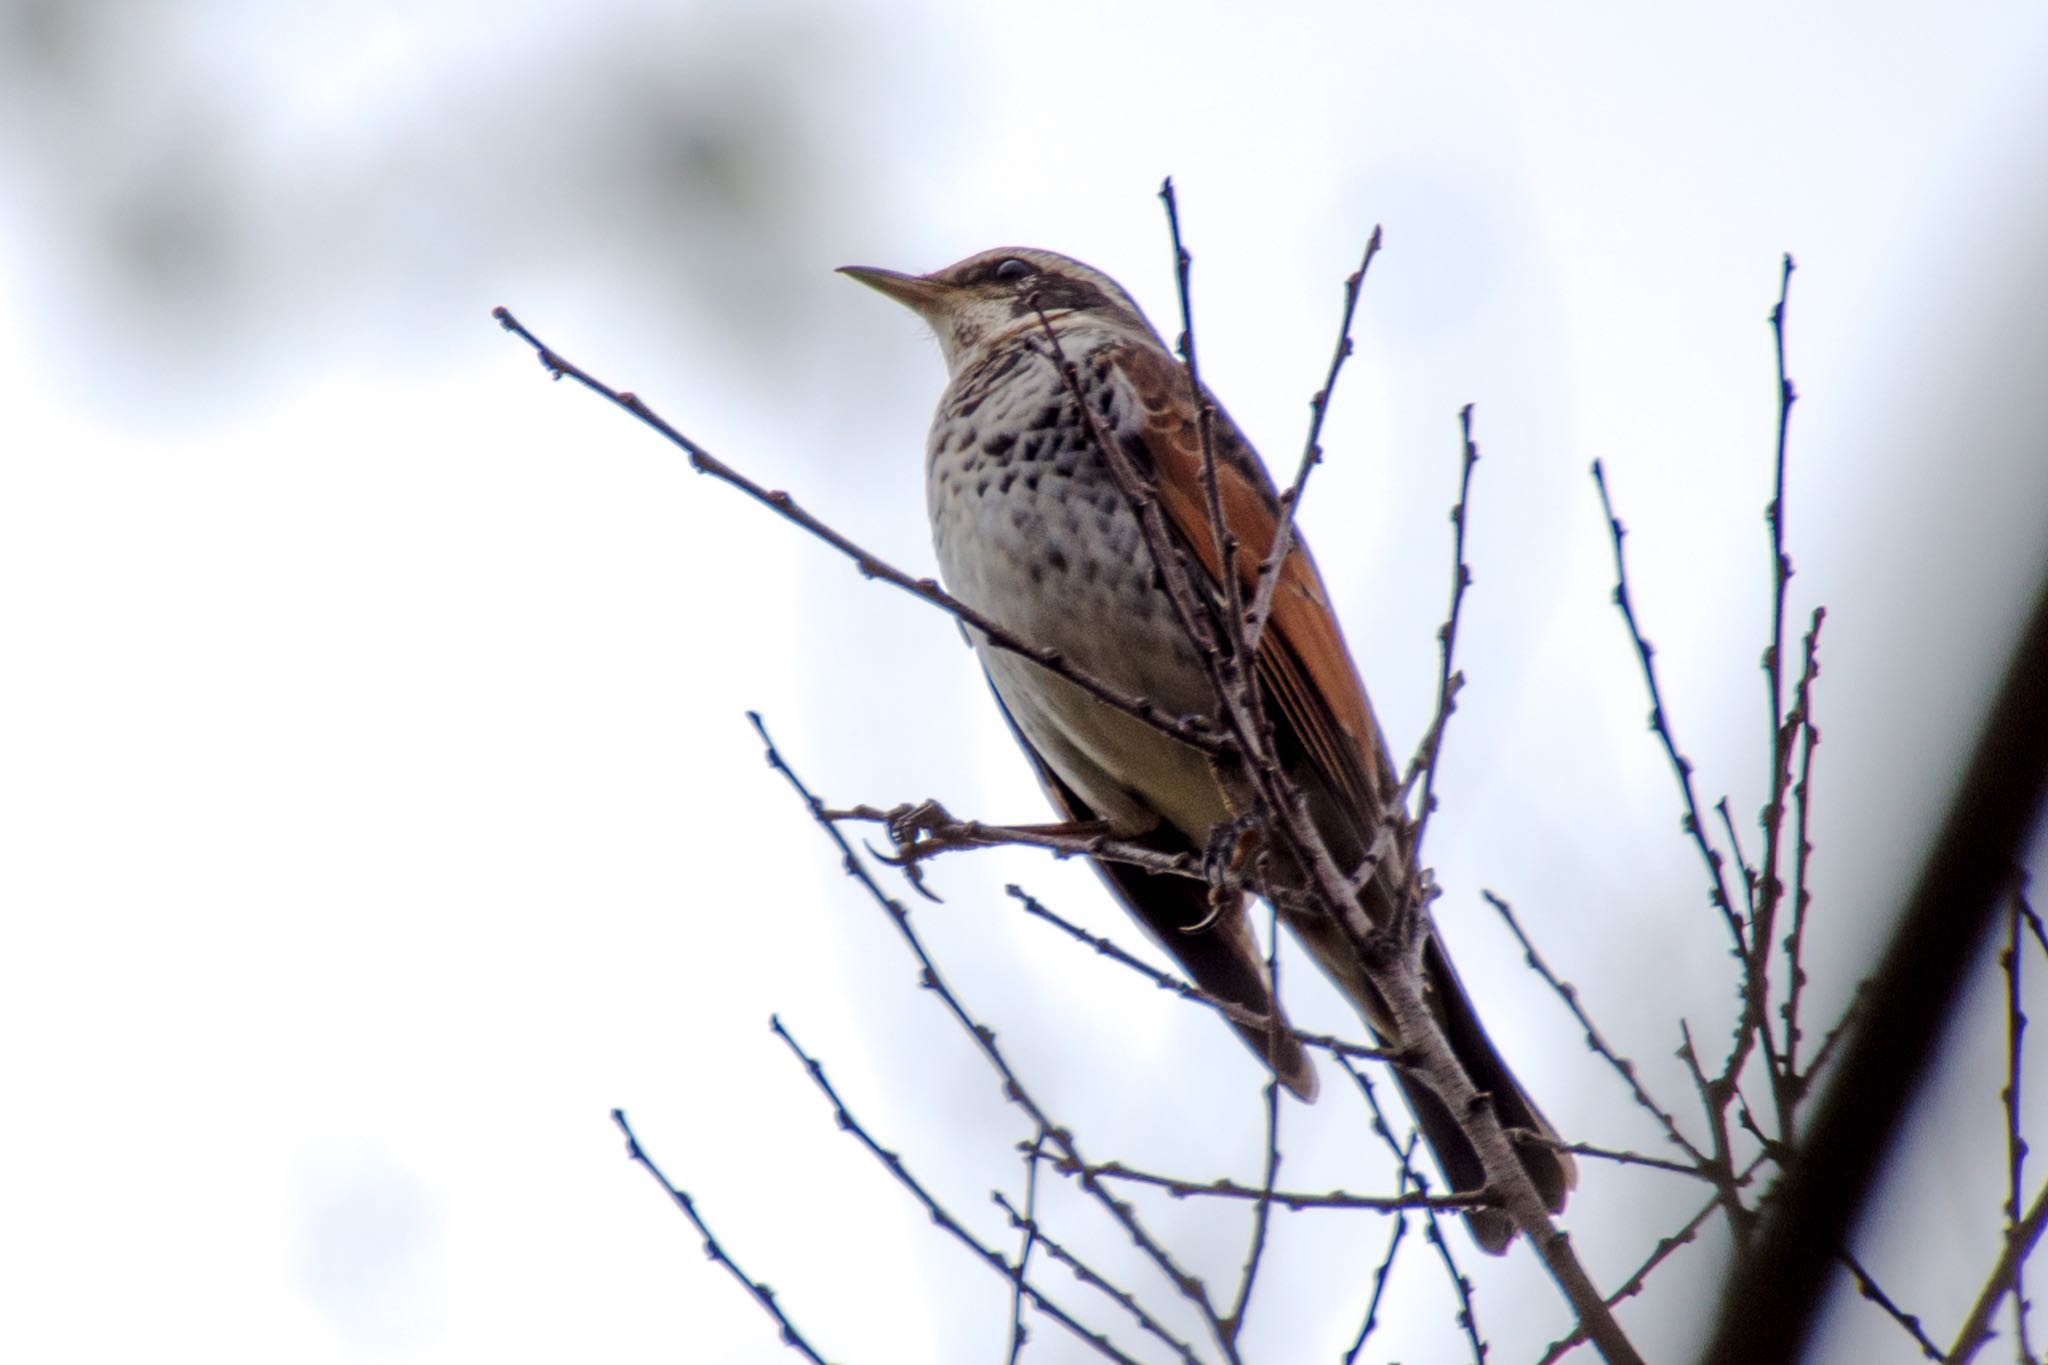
(1002,293)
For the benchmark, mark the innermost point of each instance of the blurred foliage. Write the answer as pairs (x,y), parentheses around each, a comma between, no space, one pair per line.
(194,181)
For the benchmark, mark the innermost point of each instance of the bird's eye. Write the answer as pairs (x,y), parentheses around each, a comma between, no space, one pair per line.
(1013,269)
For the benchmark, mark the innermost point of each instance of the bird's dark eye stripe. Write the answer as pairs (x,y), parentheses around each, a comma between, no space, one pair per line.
(1013,269)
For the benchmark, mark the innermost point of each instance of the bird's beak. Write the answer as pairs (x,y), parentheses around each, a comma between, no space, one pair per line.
(920,294)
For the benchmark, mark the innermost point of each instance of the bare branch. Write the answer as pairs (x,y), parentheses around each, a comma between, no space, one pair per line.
(763,1295)
(1292,1200)
(1034,1151)
(1681,766)
(2015,1144)
(1525,1138)
(1802,889)
(1382,1272)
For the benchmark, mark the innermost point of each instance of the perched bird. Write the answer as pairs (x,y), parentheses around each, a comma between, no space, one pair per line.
(1033,530)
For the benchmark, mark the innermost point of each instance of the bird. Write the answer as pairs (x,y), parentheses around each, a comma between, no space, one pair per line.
(1033,530)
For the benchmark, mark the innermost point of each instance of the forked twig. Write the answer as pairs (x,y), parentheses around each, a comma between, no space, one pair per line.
(1094,1279)
(1384,1270)
(1742,864)
(1019,1334)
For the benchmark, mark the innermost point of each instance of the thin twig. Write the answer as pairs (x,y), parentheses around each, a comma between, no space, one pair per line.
(1033,1152)
(1291,1200)
(1447,633)
(1262,1213)
(1755,1024)
(2015,1144)
(1311,455)
(1802,888)
(2034,925)
(1909,1323)
(763,1295)
(1233,637)
(1681,766)
(1749,875)
(1525,1138)
(1715,1095)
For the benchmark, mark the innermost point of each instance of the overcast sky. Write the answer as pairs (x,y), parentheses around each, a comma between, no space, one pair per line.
(377,807)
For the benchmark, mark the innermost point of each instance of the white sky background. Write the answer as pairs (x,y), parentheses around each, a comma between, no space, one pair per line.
(376,804)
